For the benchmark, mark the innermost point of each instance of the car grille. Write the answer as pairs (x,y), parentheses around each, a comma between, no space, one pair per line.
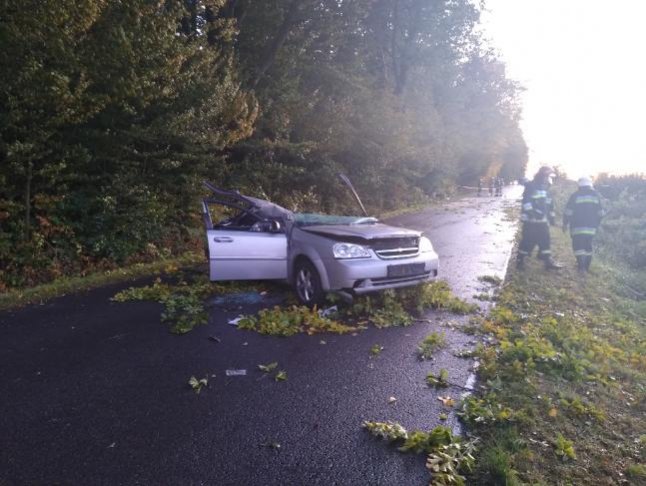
(380,282)
(390,248)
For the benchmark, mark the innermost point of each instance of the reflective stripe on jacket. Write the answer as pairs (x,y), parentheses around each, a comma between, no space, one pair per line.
(583,212)
(537,203)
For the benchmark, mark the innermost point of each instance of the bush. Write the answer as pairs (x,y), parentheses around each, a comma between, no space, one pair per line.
(624,226)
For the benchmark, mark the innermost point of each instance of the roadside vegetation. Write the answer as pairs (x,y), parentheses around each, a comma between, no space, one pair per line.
(562,395)
(114,112)
(73,284)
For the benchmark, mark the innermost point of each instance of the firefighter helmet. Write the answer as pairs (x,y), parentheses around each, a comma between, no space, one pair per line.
(546,171)
(585,182)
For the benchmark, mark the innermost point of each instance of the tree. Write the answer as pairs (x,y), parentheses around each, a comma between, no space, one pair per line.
(110,113)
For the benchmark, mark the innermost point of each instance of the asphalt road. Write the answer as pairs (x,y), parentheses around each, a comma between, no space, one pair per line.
(95,392)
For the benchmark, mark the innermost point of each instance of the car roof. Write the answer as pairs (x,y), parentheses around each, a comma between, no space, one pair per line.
(260,208)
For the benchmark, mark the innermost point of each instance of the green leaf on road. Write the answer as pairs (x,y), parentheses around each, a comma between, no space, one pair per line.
(281,376)
(197,385)
(268,368)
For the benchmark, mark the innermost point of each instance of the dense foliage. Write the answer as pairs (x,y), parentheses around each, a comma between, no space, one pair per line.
(624,225)
(400,94)
(112,112)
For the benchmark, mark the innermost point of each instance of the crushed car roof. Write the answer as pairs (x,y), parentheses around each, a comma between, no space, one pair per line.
(258,207)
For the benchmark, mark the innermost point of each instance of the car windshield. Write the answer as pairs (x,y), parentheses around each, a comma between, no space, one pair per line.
(316,219)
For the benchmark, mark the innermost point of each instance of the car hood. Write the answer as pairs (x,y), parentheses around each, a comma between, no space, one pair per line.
(366,231)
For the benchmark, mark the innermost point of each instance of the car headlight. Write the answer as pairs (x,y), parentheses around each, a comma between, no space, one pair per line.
(425,245)
(350,250)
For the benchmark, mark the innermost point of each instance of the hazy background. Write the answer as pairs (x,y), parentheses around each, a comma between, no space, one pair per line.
(582,65)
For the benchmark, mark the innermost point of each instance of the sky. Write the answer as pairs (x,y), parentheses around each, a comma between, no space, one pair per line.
(583,66)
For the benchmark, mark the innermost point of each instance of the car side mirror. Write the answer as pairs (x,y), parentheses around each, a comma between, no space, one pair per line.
(275,227)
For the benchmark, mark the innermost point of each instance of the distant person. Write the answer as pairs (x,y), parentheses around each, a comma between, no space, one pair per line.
(491,184)
(479,186)
(499,185)
(536,216)
(583,214)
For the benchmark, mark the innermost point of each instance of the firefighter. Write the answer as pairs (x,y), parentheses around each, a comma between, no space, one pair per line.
(499,185)
(536,216)
(583,215)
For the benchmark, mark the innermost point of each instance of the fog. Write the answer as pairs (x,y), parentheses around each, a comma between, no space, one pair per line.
(580,62)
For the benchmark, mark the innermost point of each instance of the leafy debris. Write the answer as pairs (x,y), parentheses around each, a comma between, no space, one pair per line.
(281,376)
(440,380)
(268,368)
(447,455)
(197,385)
(430,344)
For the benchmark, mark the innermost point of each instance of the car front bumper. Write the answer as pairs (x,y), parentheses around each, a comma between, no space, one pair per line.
(362,276)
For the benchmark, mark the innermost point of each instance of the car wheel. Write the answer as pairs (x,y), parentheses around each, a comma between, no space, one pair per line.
(307,283)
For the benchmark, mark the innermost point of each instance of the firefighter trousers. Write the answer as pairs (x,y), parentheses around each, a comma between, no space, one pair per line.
(582,247)
(535,233)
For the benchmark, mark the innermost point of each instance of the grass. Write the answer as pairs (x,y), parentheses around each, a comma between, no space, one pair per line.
(68,285)
(492,280)
(565,380)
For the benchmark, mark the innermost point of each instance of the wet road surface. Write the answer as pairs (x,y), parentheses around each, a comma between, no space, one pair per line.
(473,237)
(95,392)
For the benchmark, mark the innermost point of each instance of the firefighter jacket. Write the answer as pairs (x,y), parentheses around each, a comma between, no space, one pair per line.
(537,203)
(583,212)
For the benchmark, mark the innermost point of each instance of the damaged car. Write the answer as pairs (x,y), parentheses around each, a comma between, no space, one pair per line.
(254,239)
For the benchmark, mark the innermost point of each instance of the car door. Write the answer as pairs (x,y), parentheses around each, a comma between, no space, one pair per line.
(245,254)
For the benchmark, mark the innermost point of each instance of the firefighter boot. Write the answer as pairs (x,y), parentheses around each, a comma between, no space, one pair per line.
(552,265)
(520,262)
(587,262)
(580,263)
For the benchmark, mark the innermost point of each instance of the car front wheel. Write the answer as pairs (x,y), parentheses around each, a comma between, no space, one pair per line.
(307,283)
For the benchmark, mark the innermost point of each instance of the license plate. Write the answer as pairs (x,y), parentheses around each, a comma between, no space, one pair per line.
(407,270)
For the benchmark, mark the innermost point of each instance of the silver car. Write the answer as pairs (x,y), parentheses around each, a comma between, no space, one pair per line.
(316,253)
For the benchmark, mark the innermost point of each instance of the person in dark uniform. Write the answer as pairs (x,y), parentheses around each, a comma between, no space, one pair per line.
(499,185)
(537,214)
(583,214)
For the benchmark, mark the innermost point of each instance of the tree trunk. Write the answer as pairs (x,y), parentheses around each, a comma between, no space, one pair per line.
(235,9)
(393,43)
(380,20)
(403,52)
(283,32)
(30,169)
